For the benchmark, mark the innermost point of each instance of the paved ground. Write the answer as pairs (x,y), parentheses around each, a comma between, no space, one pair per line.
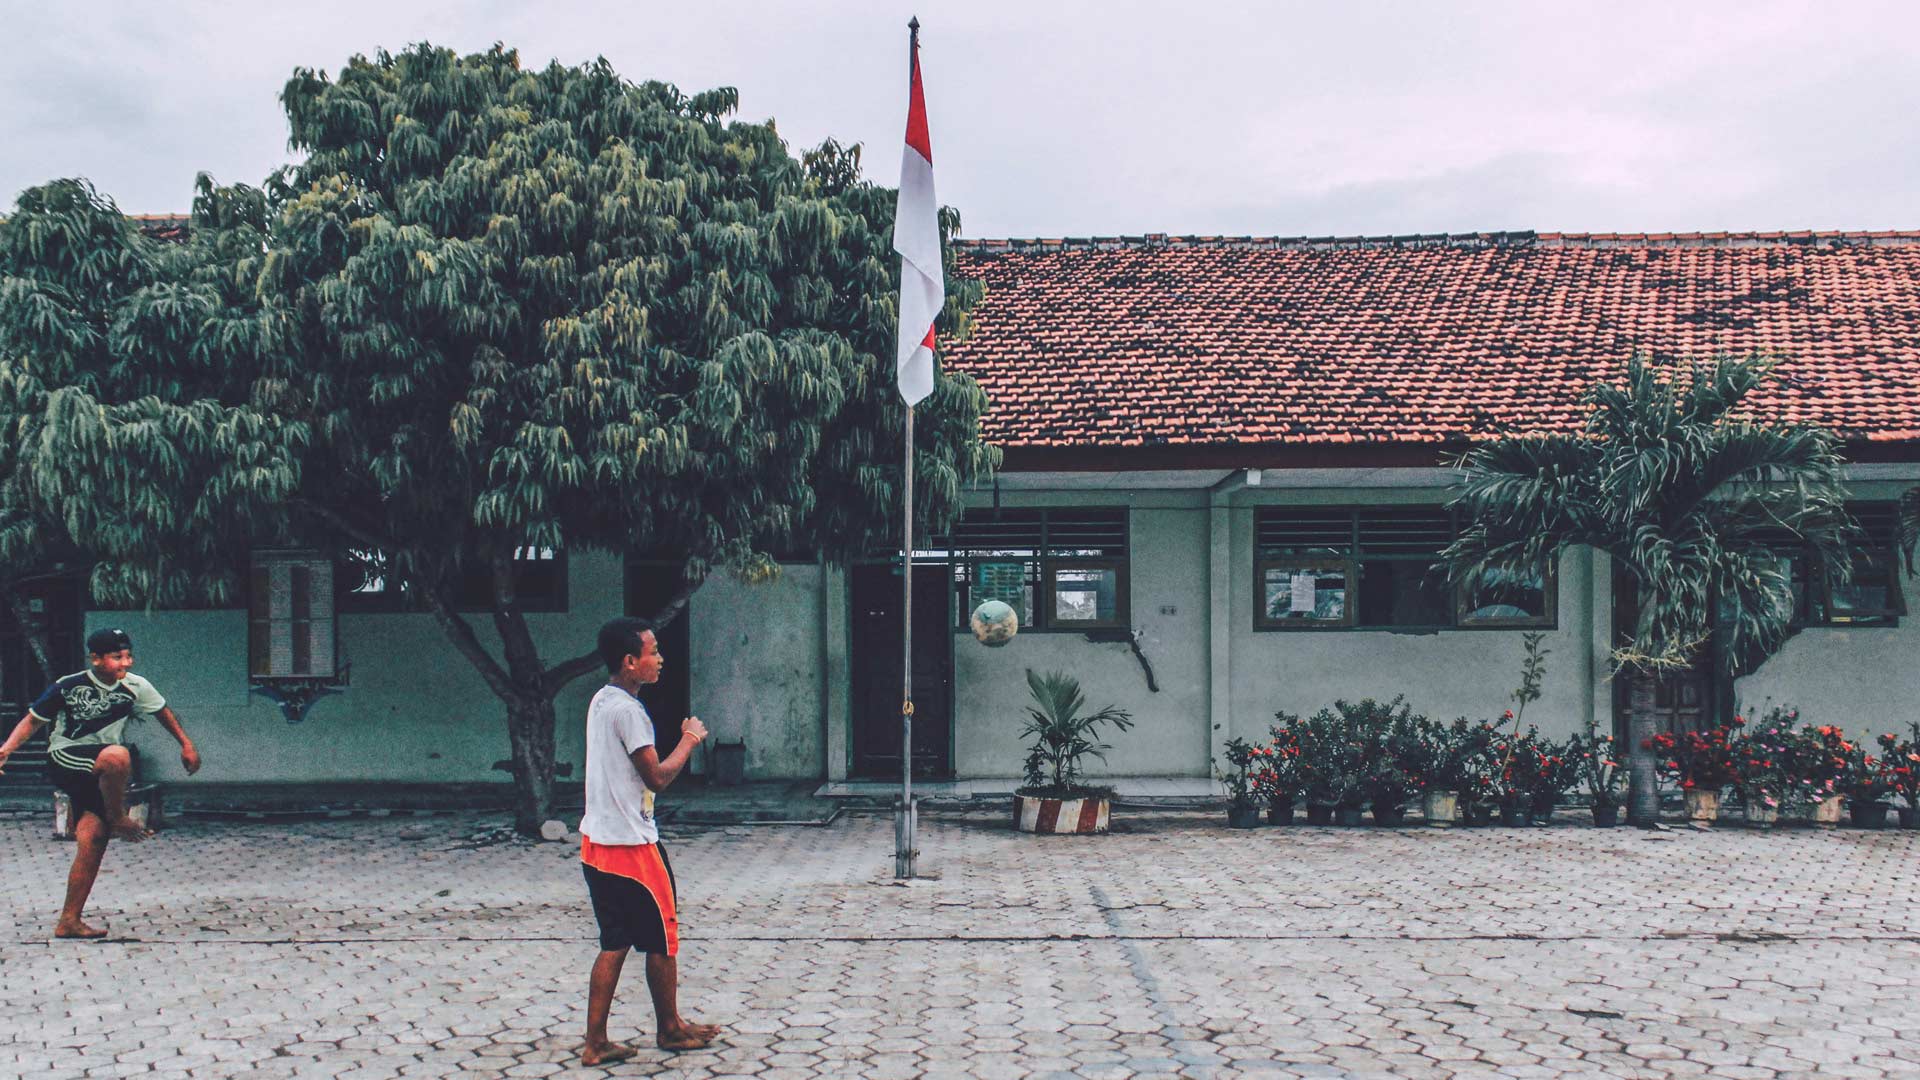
(379,948)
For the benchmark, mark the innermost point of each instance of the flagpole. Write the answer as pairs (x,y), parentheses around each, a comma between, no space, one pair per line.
(904,822)
(903,828)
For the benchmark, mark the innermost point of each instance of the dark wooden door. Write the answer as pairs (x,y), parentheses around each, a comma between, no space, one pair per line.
(53,606)
(876,655)
(1683,700)
(669,701)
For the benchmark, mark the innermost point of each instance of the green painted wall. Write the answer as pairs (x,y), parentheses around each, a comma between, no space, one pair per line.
(415,710)
(1169,606)
(770,665)
(756,670)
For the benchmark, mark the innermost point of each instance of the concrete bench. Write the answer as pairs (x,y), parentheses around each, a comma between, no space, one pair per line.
(144,807)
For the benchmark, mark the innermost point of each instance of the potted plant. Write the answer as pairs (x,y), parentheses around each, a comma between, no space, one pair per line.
(1903,772)
(1063,734)
(1515,775)
(1444,750)
(1331,770)
(1868,789)
(1596,764)
(1555,772)
(1701,762)
(1243,811)
(1820,770)
(1765,756)
(1483,752)
(1388,740)
(1277,780)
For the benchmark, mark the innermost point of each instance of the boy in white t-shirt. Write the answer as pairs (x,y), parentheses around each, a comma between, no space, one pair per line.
(627,873)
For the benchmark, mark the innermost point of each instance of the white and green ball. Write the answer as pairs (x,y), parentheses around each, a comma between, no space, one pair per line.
(994,623)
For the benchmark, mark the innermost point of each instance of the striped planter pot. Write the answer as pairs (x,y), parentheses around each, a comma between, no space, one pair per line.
(1060,815)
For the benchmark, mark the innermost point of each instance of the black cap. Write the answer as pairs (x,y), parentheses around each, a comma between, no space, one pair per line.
(102,642)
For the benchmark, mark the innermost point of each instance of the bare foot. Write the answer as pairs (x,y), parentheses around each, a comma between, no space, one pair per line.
(77,930)
(126,829)
(711,1031)
(605,1053)
(686,1037)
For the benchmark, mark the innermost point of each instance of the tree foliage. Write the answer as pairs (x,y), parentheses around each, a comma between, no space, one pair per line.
(494,308)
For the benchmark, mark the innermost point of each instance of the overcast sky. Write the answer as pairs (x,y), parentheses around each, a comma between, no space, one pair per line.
(1071,119)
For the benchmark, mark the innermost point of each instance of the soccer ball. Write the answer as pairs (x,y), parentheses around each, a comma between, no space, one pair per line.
(994,623)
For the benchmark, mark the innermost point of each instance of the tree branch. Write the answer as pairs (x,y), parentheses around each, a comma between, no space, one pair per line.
(564,672)
(464,639)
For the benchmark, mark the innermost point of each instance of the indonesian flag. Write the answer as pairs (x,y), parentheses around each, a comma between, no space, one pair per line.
(916,236)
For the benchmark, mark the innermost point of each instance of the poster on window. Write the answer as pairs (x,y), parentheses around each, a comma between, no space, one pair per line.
(1305,593)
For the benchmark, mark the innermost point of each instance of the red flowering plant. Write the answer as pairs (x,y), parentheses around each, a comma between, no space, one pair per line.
(1597,765)
(1239,774)
(1276,773)
(1481,762)
(1767,755)
(1822,761)
(1903,765)
(1696,760)
(1868,778)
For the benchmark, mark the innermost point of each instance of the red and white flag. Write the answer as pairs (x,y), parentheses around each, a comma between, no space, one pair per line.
(916,236)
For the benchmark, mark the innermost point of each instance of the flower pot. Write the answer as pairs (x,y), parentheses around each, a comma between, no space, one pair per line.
(1703,806)
(1037,815)
(1350,817)
(1280,812)
(1868,815)
(1762,816)
(1826,812)
(1543,809)
(1439,807)
(1477,813)
(1513,815)
(1605,815)
(1319,815)
(1389,815)
(1243,816)
(1910,817)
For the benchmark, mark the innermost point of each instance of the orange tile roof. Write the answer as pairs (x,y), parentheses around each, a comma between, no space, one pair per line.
(1160,341)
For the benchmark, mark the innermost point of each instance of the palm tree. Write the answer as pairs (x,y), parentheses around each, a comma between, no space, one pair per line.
(1698,504)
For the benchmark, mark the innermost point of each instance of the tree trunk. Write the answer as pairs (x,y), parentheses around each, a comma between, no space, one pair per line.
(1643,793)
(530,726)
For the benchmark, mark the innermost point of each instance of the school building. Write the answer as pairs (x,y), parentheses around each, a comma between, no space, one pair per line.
(1225,480)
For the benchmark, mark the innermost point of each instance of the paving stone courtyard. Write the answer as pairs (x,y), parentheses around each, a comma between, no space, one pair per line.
(403,947)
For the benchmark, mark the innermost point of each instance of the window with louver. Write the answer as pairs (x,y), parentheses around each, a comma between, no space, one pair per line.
(1060,568)
(290,616)
(1373,567)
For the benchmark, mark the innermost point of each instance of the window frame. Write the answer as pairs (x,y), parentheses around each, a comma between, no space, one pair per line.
(261,619)
(1050,584)
(394,598)
(1814,607)
(1353,554)
(1349,610)
(1549,587)
(1042,566)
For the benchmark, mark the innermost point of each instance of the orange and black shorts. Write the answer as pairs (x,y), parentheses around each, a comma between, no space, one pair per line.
(632,890)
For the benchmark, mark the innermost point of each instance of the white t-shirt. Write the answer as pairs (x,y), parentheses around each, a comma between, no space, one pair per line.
(619,806)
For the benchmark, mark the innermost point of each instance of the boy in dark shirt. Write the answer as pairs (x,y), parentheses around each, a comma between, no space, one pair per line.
(87,759)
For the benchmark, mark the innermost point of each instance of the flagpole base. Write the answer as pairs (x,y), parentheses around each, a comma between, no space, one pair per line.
(906,819)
